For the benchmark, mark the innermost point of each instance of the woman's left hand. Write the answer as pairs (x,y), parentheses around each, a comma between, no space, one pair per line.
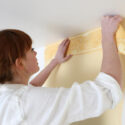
(61,52)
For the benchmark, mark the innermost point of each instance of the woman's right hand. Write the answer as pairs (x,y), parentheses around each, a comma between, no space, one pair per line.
(110,24)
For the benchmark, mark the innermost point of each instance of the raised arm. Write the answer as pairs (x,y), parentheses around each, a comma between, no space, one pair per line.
(58,59)
(60,106)
(111,60)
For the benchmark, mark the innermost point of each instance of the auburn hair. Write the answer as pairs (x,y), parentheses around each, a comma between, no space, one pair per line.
(13,44)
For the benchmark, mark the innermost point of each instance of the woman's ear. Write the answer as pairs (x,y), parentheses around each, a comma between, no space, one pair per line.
(19,63)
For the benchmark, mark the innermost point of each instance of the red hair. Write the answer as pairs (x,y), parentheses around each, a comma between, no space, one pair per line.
(13,44)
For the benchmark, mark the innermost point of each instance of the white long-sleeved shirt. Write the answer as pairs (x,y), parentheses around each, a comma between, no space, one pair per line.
(28,105)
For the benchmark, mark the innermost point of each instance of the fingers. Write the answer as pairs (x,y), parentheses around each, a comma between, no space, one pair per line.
(118,18)
(115,17)
(111,15)
(63,47)
(66,45)
(65,41)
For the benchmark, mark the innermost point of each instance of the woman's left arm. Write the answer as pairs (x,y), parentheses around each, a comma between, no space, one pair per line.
(58,59)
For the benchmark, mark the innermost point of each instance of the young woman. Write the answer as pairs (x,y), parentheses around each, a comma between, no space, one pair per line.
(21,104)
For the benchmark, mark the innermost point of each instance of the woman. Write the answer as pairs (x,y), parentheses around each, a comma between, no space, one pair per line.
(21,58)
(21,104)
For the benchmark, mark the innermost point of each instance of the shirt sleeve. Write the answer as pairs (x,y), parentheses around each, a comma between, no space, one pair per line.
(61,106)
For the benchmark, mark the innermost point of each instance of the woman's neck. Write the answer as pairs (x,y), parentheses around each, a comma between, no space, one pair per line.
(20,79)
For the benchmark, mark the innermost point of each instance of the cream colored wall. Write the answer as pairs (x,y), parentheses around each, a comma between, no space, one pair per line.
(84,67)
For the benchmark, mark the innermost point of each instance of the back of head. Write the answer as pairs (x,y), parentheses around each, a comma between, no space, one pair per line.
(13,44)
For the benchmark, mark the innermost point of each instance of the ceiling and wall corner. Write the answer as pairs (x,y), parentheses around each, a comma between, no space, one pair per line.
(49,21)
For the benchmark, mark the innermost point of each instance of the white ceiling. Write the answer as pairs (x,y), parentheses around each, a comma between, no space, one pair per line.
(47,21)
